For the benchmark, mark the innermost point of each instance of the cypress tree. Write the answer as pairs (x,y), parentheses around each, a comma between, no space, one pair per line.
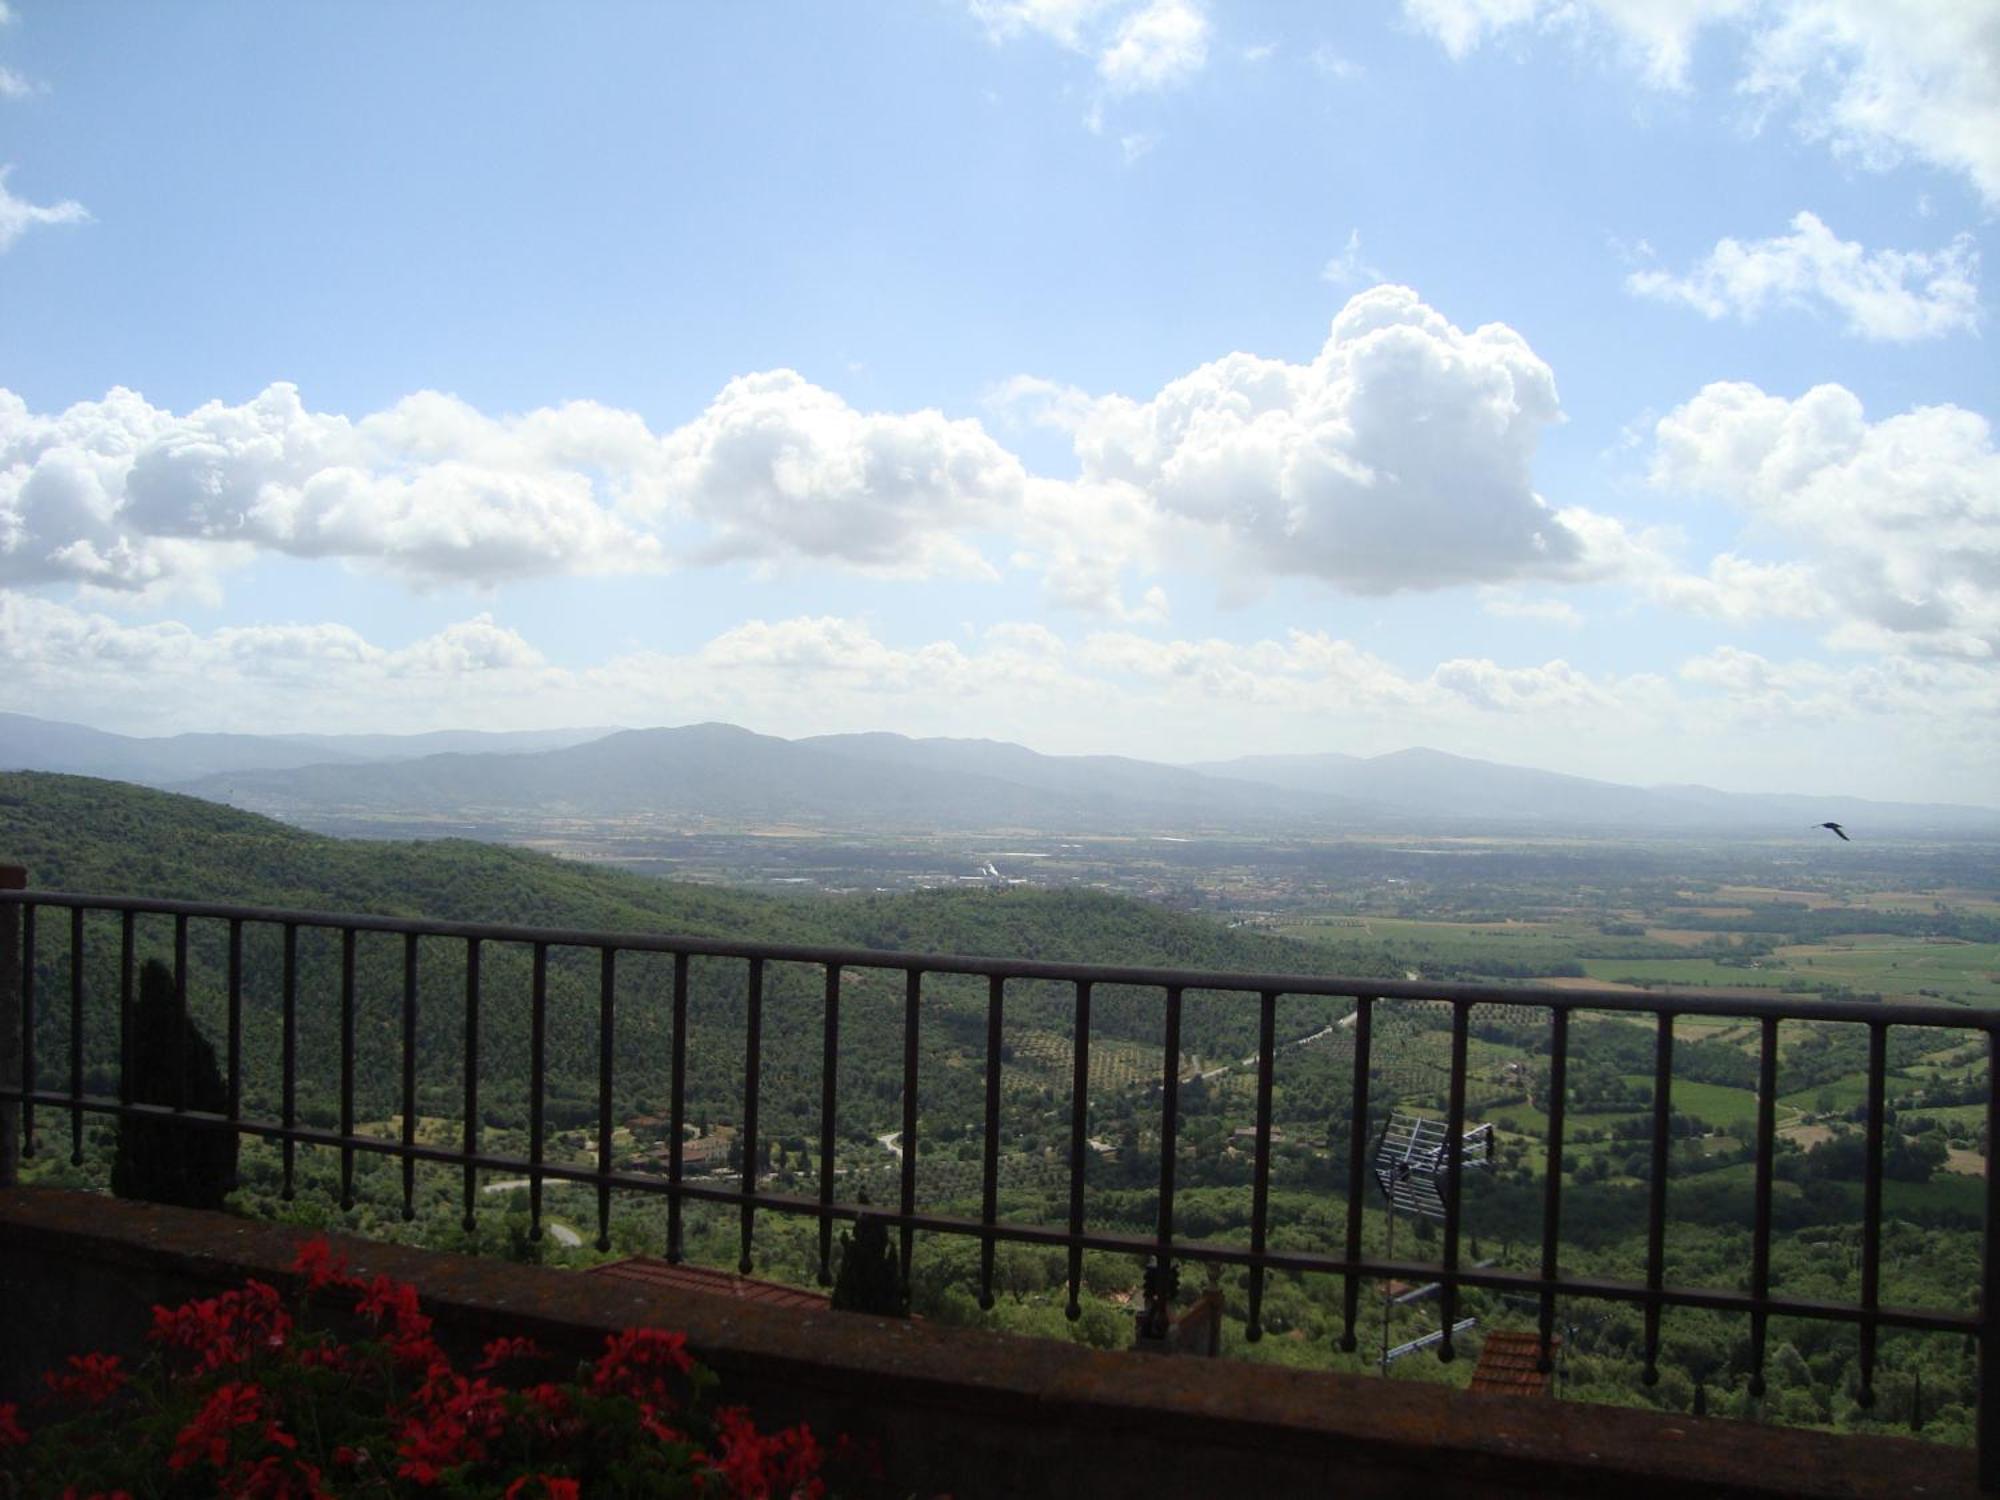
(867,1280)
(172,1161)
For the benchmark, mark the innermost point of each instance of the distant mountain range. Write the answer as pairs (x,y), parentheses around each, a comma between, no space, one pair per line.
(31,744)
(1455,787)
(721,772)
(733,777)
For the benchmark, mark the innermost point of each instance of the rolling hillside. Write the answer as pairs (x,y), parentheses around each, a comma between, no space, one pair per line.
(74,833)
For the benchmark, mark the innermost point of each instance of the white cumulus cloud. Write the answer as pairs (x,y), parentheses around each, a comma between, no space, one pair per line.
(1551,686)
(1898,295)
(18,215)
(1739,590)
(1139,45)
(1878,80)
(1165,43)
(1900,518)
(1399,458)
(62,661)
(1883,79)
(777,467)
(1657,35)
(121,495)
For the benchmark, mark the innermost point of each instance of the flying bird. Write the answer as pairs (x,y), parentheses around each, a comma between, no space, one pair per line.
(1839,830)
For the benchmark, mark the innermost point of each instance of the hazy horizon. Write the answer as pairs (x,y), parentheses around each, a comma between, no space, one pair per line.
(1217,767)
(1577,386)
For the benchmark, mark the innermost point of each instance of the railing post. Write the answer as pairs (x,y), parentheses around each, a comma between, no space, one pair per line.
(1987,1430)
(12,878)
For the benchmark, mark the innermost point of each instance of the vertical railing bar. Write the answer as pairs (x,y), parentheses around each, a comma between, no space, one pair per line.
(1260,1176)
(29,1079)
(13,1078)
(753,1069)
(76,1036)
(607,1003)
(677,1107)
(751,1145)
(235,983)
(1454,1175)
(288,1079)
(913,995)
(346,1067)
(127,944)
(829,1098)
(471,1083)
(1656,1190)
(1079,1143)
(1760,1241)
(1988,1422)
(184,1019)
(538,1036)
(409,1076)
(1357,1161)
(1555,1107)
(989,1188)
(1871,1208)
(1170,1105)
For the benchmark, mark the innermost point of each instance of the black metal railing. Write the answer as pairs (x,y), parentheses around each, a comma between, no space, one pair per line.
(21,910)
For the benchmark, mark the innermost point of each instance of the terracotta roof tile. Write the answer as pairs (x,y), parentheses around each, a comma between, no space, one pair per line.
(1509,1365)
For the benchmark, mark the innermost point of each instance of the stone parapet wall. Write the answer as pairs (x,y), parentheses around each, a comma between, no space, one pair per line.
(959,1411)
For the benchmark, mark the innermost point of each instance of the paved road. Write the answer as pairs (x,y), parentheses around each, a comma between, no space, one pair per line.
(561,1233)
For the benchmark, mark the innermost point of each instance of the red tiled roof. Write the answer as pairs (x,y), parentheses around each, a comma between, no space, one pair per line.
(651,1271)
(1509,1365)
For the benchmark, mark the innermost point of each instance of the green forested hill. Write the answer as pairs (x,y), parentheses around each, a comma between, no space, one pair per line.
(102,837)
(111,838)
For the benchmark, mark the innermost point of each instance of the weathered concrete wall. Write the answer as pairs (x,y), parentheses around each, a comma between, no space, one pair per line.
(959,1411)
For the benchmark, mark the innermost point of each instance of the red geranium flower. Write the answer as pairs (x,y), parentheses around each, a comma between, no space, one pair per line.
(225,1330)
(330,1356)
(207,1438)
(321,1267)
(12,1433)
(635,1363)
(456,1419)
(93,1379)
(499,1351)
(764,1466)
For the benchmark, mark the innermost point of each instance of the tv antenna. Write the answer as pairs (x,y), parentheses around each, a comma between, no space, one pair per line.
(1413,1168)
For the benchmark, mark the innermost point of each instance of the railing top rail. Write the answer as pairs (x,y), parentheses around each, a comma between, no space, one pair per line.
(1710,1002)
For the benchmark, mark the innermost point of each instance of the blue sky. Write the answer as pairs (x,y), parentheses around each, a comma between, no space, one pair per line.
(1583,383)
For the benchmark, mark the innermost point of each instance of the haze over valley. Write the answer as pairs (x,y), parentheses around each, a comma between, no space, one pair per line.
(597,789)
